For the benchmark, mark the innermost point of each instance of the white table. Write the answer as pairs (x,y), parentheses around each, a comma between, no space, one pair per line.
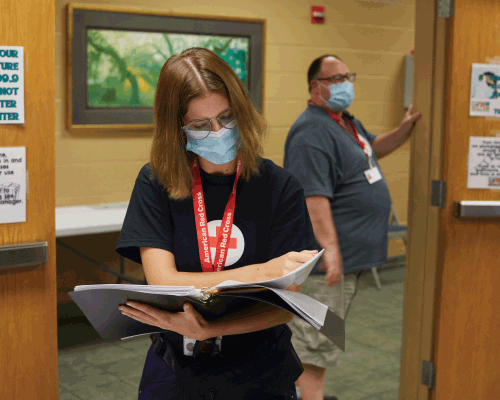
(86,220)
(92,219)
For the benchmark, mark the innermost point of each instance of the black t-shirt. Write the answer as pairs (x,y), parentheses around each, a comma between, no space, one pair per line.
(270,219)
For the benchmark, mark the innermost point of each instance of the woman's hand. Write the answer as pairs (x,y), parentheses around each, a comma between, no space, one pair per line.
(289,262)
(188,323)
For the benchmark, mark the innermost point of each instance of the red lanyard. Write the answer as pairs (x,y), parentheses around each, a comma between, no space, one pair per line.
(202,224)
(353,133)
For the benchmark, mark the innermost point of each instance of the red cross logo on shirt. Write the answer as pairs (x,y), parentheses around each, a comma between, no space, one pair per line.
(213,240)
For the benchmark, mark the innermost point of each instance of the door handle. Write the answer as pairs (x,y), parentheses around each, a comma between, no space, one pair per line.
(23,255)
(478,209)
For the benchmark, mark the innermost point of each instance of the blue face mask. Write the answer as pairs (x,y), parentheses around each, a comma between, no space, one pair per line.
(218,147)
(341,96)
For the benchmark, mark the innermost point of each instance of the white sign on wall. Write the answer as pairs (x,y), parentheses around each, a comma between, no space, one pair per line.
(11,85)
(12,184)
(485,90)
(484,163)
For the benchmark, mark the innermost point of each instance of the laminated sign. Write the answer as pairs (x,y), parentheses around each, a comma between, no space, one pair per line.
(11,85)
(485,91)
(12,184)
(484,163)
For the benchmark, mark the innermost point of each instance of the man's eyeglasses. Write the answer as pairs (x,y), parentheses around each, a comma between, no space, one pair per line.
(339,78)
(204,126)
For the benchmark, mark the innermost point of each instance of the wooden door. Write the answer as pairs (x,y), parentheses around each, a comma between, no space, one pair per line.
(467,344)
(453,279)
(28,315)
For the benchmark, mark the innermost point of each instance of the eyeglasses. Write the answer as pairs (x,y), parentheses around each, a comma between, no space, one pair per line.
(339,78)
(204,126)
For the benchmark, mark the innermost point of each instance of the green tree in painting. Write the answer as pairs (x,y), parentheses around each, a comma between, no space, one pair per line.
(123,66)
(120,78)
(235,56)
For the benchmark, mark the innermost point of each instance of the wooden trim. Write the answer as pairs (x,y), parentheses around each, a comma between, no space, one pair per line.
(434,245)
(69,69)
(425,165)
(133,10)
(263,74)
(110,127)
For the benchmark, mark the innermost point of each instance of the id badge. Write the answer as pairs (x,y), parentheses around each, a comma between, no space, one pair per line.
(373,175)
(189,345)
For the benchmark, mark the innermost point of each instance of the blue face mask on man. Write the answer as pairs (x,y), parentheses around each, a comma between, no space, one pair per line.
(341,96)
(218,147)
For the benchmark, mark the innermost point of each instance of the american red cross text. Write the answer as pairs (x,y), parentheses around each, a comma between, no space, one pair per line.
(213,240)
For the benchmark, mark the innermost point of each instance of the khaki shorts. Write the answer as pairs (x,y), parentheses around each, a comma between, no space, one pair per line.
(311,346)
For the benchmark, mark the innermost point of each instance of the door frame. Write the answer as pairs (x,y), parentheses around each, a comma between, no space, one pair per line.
(28,313)
(423,256)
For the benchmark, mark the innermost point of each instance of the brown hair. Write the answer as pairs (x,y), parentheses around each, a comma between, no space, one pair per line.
(184,77)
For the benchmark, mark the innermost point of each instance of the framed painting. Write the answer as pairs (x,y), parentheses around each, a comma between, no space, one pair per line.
(115,57)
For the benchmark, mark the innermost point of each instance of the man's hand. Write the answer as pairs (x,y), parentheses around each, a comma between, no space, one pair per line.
(409,120)
(332,264)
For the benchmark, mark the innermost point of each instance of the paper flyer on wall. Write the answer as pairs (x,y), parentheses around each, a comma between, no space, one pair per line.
(12,184)
(484,95)
(484,163)
(11,85)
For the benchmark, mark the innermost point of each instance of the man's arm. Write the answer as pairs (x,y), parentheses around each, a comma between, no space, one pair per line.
(388,142)
(320,213)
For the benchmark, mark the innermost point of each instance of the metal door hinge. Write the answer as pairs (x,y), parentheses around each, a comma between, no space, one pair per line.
(445,8)
(438,194)
(428,374)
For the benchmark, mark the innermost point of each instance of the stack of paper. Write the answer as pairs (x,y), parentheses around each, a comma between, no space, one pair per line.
(100,303)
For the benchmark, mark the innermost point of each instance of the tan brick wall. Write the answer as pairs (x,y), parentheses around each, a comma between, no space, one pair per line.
(370,36)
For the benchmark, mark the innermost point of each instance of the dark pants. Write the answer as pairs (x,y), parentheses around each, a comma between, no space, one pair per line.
(158,382)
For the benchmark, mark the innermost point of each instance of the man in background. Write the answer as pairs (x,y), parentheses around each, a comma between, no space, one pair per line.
(336,161)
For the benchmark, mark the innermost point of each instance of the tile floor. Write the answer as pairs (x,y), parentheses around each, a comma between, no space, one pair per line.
(91,369)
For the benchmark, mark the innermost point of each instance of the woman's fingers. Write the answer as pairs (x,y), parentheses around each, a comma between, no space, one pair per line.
(191,311)
(148,310)
(146,313)
(294,260)
(303,256)
(133,312)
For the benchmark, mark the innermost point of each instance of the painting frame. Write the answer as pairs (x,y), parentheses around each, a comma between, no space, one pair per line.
(81,18)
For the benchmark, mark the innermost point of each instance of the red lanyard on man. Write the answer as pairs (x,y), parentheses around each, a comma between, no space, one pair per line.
(202,224)
(353,132)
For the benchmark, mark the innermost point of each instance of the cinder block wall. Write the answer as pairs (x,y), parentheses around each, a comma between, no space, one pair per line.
(371,36)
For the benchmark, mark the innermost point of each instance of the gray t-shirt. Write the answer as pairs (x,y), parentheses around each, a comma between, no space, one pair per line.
(329,162)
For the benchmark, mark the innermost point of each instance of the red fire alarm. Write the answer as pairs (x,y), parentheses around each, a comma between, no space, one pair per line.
(317,14)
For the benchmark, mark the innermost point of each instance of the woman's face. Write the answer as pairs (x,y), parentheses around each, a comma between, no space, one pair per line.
(207,107)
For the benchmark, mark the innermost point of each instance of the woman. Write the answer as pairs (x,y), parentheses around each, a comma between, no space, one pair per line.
(207,188)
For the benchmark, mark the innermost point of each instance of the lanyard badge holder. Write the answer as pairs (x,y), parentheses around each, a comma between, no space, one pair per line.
(372,174)
(209,347)
(212,346)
